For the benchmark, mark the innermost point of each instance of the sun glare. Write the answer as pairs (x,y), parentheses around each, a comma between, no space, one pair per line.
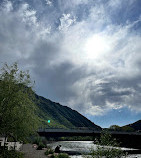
(96,47)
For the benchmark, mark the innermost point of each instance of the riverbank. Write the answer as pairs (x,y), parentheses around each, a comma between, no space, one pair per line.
(75,149)
(79,148)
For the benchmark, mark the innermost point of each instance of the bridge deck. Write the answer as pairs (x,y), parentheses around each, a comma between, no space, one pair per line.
(53,130)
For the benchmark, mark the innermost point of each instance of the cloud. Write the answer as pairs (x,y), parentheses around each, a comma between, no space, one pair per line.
(20,32)
(82,59)
(48,2)
(7,6)
(66,21)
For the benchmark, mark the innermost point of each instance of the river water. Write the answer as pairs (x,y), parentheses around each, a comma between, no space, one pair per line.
(78,148)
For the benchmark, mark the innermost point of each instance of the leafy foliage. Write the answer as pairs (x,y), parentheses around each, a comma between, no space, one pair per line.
(63,155)
(17,109)
(53,155)
(107,147)
(11,154)
(127,129)
(107,153)
(106,140)
(36,140)
(115,128)
(41,146)
(49,151)
(123,129)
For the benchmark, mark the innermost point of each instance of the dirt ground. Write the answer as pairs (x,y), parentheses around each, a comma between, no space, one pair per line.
(31,152)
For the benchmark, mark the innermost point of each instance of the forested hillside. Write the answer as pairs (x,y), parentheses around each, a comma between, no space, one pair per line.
(61,116)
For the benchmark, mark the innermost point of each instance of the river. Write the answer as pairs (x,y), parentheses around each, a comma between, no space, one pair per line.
(78,148)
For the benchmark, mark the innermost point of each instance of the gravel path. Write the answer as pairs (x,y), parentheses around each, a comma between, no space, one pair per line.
(31,152)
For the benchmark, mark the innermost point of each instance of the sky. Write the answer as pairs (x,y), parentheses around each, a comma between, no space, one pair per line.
(85,54)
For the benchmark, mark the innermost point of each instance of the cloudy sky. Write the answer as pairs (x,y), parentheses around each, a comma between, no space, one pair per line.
(85,54)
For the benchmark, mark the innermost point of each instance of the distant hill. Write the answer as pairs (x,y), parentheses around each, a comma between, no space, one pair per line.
(136,125)
(61,116)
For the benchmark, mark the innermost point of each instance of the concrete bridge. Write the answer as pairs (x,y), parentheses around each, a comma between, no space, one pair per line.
(127,139)
(60,132)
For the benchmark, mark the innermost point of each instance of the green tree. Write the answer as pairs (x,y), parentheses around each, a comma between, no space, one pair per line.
(17,109)
(107,147)
(107,140)
(127,129)
(115,128)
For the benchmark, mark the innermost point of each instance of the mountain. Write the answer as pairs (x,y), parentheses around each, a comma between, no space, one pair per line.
(136,125)
(61,116)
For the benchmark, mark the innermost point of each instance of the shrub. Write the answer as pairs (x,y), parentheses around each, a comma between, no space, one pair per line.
(11,154)
(63,155)
(53,156)
(106,152)
(36,140)
(41,146)
(107,140)
(49,151)
(107,147)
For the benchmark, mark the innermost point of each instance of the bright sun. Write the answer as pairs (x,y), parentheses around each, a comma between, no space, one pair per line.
(96,47)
